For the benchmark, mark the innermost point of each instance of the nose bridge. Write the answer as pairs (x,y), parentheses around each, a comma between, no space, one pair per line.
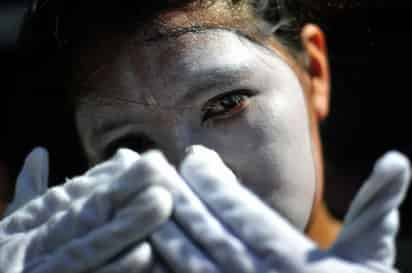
(183,138)
(173,137)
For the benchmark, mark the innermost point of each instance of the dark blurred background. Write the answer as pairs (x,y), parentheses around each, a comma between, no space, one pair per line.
(370,58)
(371,77)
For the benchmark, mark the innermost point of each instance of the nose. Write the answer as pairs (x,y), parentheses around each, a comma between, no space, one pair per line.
(142,143)
(138,142)
(173,140)
(173,148)
(170,144)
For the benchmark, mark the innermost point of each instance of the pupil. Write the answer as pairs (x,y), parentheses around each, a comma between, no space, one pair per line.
(230,101)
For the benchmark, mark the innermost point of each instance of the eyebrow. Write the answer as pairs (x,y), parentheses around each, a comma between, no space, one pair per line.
(177,32)
(180,31)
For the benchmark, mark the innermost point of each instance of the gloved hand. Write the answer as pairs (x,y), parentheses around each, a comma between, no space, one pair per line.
(85,223)
(219,226)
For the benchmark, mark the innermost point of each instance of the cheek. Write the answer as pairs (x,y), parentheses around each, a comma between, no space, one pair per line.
(268,146)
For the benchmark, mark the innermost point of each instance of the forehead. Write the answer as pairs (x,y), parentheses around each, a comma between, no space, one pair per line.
(108,65)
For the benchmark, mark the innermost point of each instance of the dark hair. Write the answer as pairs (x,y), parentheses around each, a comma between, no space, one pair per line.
(68,20)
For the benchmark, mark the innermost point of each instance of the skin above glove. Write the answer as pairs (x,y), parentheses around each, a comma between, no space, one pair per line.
(86,222)
(219,226)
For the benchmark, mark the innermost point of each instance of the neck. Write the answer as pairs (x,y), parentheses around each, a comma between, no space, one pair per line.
(324,228)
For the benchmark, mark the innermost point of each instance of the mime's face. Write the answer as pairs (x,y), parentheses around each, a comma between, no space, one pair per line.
(213,88)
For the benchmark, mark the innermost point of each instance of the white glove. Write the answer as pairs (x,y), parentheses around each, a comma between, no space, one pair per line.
(86,222)
(219,226)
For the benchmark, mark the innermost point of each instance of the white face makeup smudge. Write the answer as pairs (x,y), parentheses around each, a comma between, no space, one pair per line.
(213,88)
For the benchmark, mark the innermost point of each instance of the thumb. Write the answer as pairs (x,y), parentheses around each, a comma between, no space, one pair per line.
(32,180)
(372,222)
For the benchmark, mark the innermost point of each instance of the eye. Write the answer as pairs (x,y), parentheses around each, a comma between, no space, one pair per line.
(139,143)
(226,105)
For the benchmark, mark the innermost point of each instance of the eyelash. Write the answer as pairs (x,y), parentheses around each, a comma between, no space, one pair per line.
(230,104)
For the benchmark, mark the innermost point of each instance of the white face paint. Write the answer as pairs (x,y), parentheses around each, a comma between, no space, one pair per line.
(213,88)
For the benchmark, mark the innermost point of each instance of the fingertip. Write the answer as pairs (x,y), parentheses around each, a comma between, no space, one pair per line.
(197,148)
(154,155)
(200,149)
(32,180)
(36,167)
(39,152)
(394,165)
(203,168)
(120,161)
(154,161)
(198,155)
(395,159)
(126,155)
(38,156)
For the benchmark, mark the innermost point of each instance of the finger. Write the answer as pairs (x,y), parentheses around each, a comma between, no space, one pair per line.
(372,221)
(32,181)
(179,252)
(389,181)
(97,208)
(61,198)
(259,227)
(138,259)
(200,226)
(130,225)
